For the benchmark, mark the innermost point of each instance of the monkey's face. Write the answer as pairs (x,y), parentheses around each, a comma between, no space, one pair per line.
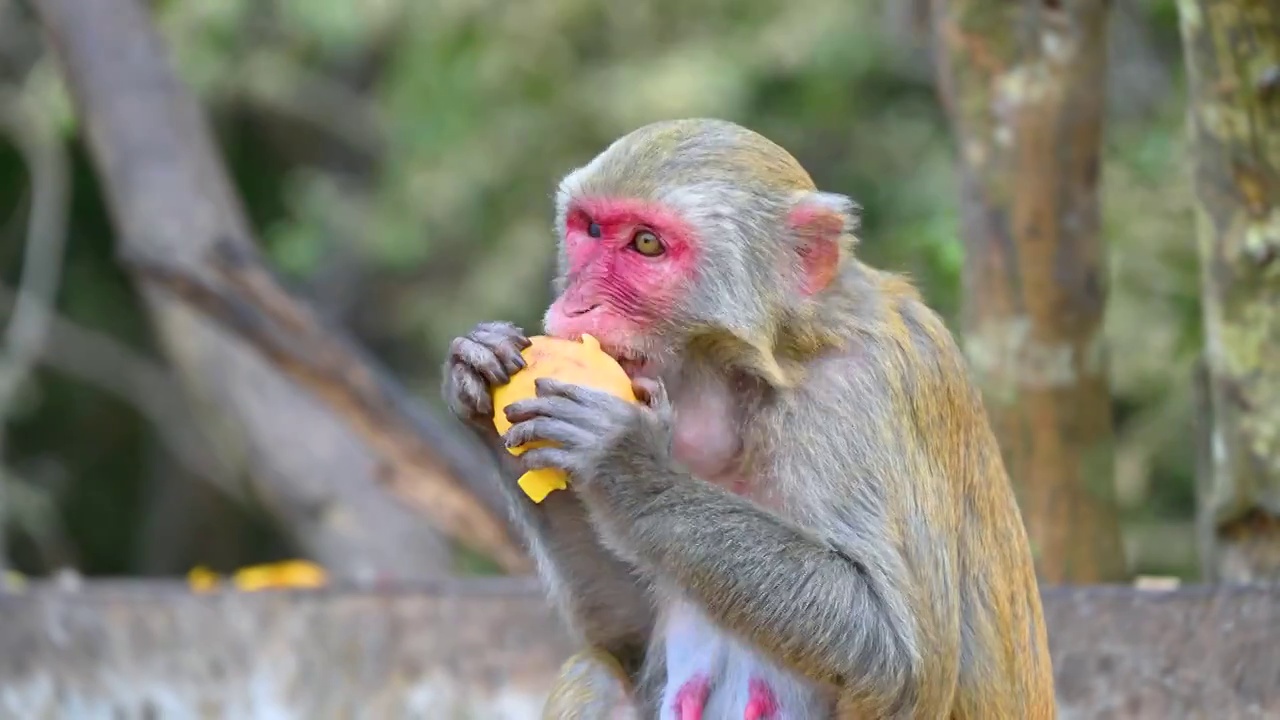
(627,265)
(689,238)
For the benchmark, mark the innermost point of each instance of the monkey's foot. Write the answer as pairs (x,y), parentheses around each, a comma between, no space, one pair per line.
(761,703)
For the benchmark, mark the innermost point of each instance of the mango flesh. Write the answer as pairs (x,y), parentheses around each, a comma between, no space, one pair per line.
(581,363)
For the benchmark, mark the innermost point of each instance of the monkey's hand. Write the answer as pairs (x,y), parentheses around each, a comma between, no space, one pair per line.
(592,432)
(483,358)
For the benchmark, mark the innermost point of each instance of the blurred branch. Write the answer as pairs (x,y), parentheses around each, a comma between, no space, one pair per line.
(250,304)
(907,22)
(33,508)
(28,327)
(301,399)
(275,81)
(99,360)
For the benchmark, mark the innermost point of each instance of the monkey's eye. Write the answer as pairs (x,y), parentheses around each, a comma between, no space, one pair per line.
(646,243)
(594,230)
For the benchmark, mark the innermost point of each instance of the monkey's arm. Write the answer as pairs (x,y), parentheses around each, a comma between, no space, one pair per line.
(810,603)
(596,593)
(601,597)
(844,606)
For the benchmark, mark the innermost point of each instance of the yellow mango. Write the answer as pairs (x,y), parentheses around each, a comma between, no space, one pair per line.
(581,363)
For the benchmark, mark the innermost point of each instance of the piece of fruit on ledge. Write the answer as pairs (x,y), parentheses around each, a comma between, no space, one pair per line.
(582,363)
(288,574)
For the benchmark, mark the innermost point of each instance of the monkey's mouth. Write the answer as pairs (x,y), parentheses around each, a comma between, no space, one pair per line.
(634,363)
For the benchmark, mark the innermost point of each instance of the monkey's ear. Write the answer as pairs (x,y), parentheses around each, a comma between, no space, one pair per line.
(823,225)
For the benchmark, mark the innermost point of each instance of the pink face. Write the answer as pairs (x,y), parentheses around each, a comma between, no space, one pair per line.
(629,262)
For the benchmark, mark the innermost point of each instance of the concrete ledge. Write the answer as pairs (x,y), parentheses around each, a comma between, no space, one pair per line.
(1200,652)
(487,649)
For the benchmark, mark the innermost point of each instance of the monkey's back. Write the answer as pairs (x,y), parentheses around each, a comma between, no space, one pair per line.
(1004,665)
(1008,671)
(1005,668)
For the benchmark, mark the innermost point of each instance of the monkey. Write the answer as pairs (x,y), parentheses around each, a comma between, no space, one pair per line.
(805,513)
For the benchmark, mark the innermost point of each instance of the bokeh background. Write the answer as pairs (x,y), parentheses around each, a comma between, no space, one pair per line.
(398,160)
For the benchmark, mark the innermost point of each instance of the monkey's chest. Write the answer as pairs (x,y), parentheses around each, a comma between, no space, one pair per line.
(708,441)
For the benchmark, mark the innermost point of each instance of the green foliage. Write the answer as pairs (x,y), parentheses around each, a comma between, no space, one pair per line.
(476,108)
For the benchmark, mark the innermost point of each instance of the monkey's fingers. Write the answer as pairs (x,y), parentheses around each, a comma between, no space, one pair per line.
(509,354)
(469,397)
(507,330)
(480,357)
(552,388)
(553,407)
(550,429)
(553,458)
(650,391)
(506,345)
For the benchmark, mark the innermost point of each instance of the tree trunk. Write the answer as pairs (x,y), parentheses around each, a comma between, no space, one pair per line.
(1233,62)
(1024,86)
(321,432)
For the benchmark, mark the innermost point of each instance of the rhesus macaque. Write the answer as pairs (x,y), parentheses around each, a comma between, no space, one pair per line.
(807,515)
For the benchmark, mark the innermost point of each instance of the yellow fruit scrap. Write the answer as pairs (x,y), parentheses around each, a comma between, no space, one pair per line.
(202,579)
(582,363)
(289,574)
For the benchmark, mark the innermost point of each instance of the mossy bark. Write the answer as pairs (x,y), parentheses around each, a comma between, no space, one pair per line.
(1024,85)
(1232,50)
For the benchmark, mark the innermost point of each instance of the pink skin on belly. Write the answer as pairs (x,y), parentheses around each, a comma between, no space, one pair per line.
(692,698)
(761,703)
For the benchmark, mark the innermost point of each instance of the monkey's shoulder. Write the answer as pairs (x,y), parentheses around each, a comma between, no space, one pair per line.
(886,389)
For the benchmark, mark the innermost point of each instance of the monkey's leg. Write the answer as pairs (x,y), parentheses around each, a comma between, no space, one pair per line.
(756,689)
(695,660)
(839,623)
(710,676)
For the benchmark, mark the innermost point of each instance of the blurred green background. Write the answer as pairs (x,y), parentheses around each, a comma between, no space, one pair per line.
(398,159)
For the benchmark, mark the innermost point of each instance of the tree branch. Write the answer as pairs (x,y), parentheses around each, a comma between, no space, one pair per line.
(250,304)
(42,261)
(299,392)
(147,386)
